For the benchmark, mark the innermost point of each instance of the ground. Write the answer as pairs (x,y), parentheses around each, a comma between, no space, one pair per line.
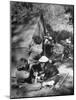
(35,90)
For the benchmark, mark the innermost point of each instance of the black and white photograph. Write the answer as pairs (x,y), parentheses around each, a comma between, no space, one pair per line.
(42,49)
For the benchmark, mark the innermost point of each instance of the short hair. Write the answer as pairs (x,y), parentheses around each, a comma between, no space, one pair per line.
(21,63)
(23,60)
(37,39)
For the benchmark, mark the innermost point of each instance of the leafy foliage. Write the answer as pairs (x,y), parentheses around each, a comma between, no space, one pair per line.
(23,12)
(70,9)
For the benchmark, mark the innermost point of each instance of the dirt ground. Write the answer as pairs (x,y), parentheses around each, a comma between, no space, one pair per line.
(29,90)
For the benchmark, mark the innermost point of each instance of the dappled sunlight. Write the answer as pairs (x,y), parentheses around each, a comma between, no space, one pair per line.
(63,69)
(41,56)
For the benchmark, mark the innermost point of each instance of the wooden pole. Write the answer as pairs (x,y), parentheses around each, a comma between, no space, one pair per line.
(44,32)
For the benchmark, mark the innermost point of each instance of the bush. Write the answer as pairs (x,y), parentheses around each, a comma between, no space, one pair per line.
(63,35)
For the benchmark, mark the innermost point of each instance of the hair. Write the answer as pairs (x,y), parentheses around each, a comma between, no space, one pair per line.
(23,59)
(22,62)
(37,39)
